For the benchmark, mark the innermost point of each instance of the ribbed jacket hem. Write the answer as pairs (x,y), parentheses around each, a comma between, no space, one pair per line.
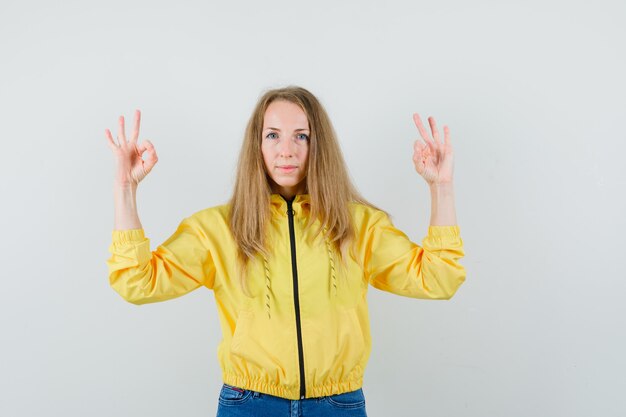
(331,388)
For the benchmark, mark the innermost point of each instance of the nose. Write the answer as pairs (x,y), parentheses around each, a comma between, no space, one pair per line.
(286,148)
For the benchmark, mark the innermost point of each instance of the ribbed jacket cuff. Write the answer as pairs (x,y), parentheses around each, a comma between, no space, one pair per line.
(442,231)
(443,237)
(128,236)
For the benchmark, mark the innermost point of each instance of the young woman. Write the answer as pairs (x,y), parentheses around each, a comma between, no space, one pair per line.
(289,258)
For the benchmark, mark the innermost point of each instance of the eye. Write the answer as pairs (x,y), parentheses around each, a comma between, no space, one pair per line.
(268,135)
(304,136)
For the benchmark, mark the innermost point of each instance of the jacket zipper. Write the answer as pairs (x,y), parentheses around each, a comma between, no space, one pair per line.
(296,299)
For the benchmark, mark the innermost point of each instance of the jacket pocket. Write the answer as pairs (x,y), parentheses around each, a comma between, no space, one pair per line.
(335,347)
(240,345)
(356,347)
(261,349)
(352,399)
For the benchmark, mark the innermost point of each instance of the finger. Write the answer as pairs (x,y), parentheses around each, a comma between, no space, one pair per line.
(146,145)
(419,146)
(420,126)
(417,158)
(151,158)
(110,140)
(135,134)
(446,135)
(423,132)
(121,135)
(433,128)
(422,150)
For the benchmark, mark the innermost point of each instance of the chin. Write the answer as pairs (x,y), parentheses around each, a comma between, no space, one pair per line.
(289,182)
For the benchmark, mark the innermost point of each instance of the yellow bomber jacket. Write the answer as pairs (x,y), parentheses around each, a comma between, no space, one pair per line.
(305,331)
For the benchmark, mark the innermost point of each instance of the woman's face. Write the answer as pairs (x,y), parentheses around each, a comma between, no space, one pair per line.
(285,147)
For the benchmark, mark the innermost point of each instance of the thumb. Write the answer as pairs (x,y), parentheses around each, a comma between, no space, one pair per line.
(151,158)
(418,149)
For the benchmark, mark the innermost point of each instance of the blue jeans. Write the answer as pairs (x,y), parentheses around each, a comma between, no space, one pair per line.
(239,402)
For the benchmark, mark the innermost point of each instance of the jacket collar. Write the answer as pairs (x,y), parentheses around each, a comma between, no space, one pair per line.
(300,203)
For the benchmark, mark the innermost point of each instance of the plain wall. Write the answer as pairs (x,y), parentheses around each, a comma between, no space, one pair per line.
(533,93)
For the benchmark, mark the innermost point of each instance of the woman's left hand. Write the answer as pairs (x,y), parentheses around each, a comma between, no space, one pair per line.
(434,160)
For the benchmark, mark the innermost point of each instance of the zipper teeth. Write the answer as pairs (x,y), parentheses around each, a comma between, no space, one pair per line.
(296,299)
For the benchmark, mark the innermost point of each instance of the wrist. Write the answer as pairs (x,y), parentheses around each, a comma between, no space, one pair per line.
(124,186)
(442,186)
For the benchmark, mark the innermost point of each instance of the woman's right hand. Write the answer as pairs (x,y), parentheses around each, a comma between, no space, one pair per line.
(131,168)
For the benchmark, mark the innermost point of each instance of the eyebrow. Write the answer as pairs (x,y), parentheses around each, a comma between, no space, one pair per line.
(277,129)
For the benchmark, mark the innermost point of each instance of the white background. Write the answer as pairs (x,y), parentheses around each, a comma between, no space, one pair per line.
(534,95)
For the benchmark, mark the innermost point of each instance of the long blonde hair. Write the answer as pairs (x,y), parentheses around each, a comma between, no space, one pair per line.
(327,182)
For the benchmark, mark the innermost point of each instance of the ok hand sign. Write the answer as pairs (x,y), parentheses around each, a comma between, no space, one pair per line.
(434,160)
(130,167)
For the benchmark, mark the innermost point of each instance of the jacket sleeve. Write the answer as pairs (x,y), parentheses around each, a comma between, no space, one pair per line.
(395,264)
(179,265)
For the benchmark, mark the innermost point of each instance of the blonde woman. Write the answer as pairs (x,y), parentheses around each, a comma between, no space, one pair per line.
(289,258)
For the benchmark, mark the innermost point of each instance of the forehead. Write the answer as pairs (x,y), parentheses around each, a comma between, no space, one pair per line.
(285,113)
